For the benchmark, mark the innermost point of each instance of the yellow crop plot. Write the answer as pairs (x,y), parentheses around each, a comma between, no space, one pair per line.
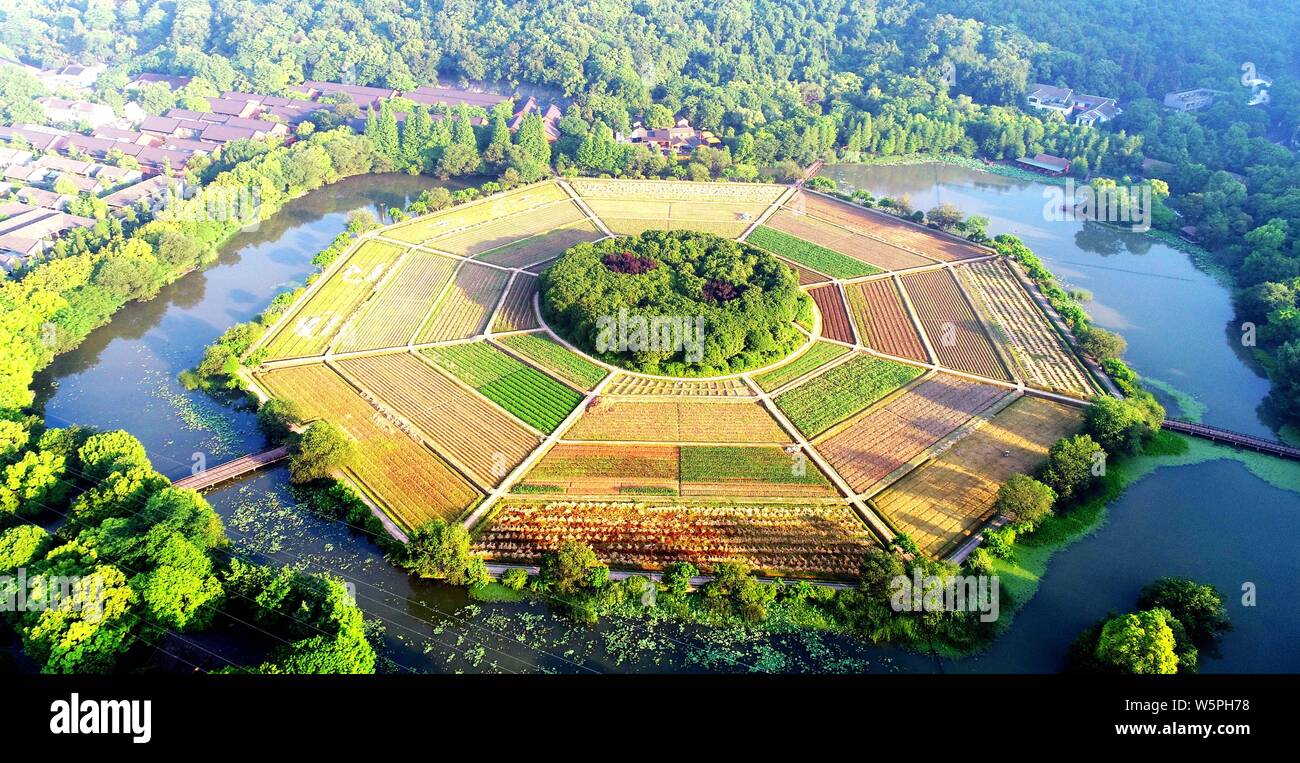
(310,328)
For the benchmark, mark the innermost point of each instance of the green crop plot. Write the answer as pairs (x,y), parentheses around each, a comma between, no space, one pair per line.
(557,359)
(818,355)
(761,467)
(534,397)
(825,400)
(810,255)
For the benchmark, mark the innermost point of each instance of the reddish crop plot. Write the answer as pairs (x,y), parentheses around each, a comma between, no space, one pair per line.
(883,321)
(887,227)
(802,540)
(888,436)
(955,332)
(835,318)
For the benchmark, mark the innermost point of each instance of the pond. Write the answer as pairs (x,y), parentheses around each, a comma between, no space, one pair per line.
(1178,320)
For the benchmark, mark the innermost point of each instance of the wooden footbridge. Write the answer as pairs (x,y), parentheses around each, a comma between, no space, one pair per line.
(232,469)
(1236,439)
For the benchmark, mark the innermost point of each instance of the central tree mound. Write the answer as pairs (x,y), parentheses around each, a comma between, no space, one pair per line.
(675,303)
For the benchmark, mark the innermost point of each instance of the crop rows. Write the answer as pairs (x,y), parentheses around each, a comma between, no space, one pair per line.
(835,317)
(517,313)
(592,469)
(529,394)
(751,472)
(887,227)
(457,423)
(556,358)
(829,398)
(542,245)
(392,315)
(946,500)
(807,276)
(808,254)
(502,231)
(648,419)
(800,540)
(465,306)
(883,321)
(1034,346)
(467,215)
(313,325)
(817,356)
(670,190)
(404,476)
(879,254)
(954,330)
(892,434)
(586,469)
(626,384)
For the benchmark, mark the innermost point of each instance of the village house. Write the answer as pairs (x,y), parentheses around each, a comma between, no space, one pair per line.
(1191,100)
(1045,164)
(29,233)
(550,118)
(1075,107)
(175,82)
(63,111)
(678,141)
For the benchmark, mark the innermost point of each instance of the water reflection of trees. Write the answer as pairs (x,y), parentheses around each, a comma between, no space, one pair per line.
(1108,240)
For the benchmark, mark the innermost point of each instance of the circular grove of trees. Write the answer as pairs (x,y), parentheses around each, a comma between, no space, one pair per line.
(674,303)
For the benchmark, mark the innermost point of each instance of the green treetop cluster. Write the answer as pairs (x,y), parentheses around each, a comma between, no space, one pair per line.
(732,305)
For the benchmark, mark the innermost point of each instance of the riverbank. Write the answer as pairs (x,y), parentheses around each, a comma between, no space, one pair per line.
(1022,573)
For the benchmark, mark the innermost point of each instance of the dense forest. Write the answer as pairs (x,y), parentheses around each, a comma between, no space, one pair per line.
(788,82)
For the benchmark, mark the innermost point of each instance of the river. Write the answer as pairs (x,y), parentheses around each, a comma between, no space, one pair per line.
(124,376)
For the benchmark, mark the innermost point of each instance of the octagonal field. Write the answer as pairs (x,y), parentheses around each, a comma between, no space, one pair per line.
(427,343)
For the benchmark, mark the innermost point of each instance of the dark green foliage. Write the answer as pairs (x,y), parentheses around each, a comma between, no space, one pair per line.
(319,451)
(599,307)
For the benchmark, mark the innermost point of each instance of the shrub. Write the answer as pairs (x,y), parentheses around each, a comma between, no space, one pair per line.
(319,451)
(515,579)
(1072,465)
(1024,500)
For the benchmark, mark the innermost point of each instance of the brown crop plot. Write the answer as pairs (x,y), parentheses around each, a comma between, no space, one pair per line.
(583,469)
(948,499)
(887,227)
(517,313)
(835,318)
(500,232)
(483,439)
(392,467)
(665,419)
(626,384)
(954,330)
(542,246)
(390,317)
(1040,356)
(888,436)
(826,540)
(883,321)
(465,305)
(464,216)
(853,244)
